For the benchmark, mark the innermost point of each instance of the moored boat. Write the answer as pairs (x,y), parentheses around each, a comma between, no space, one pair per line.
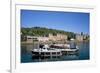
(46,51)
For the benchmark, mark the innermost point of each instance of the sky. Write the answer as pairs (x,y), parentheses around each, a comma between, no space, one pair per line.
(68,21)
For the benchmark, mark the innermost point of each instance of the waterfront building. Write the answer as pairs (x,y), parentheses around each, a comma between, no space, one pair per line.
(30,39)
(43,39)
(51,37)
(58,37)
(79,37)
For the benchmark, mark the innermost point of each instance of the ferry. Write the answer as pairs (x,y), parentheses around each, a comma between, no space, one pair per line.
(45,51)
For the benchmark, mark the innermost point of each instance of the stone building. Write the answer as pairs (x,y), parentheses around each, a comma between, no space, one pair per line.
(79,37)
(58,37)
(51,37)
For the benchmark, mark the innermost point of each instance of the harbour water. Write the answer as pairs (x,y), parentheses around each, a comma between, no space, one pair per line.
(83,54)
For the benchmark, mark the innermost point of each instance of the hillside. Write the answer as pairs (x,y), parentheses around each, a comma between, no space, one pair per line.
(41,31)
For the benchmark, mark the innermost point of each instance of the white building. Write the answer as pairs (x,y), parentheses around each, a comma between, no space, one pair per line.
(79,37)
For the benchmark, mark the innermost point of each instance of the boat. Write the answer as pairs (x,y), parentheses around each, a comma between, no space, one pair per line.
(45,51)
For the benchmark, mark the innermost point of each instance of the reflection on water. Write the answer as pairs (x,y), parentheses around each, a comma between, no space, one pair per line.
(26,55)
